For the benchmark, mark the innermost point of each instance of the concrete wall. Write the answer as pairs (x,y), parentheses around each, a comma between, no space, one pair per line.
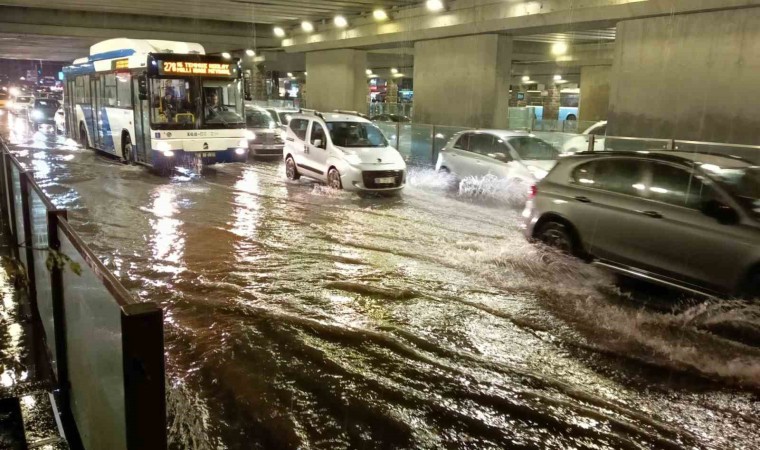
(595,92)
(691,77)
(463,81)
(337,80)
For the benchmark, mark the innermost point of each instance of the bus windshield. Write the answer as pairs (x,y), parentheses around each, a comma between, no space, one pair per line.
(193,103)
(222,104)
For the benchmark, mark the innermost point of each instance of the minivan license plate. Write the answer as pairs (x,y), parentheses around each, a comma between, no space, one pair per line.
(385,180)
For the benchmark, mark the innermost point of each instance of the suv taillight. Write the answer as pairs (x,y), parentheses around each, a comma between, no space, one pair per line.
(533,192)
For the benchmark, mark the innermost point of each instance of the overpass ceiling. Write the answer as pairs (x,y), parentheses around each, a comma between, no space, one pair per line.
(268,11)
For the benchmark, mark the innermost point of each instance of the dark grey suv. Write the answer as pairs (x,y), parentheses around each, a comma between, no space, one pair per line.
(689,220)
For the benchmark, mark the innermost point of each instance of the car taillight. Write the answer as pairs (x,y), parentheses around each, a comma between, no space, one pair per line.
(533,192)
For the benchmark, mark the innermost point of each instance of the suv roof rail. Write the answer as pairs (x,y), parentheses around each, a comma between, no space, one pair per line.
(313,112)
(352,113)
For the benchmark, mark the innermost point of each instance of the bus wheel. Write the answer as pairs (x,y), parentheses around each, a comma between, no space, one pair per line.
(83,136)
(127,149)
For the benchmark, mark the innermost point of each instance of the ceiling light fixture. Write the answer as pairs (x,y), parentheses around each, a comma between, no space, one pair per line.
(250,52)
(394,71)
(380,15)
(307,26)
(434,5)
(226,55)
(340,22)
(559,48)
(279,32)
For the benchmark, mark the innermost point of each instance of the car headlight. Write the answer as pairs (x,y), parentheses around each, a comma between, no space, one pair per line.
(538,173)
(250,135)
(37,114)
(353,159)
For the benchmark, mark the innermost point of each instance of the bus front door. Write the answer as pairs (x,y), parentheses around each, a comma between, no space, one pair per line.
(142,124)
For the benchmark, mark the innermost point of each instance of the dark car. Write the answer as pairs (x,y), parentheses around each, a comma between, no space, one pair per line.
(395,118)
(43,112)
(688,220)
(265,139)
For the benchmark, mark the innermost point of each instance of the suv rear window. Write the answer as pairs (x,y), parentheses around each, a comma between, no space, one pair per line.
(623,176)
(299,127)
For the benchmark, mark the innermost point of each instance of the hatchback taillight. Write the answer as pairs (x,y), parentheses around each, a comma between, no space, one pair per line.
(533,192)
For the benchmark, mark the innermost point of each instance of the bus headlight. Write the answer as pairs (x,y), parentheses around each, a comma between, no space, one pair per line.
(168,153)
(239,151)
(163,146)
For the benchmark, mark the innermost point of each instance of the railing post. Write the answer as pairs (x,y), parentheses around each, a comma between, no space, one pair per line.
(672,144)
(27,240)
(59,319)
(432,145)
(591,142)
(398,134)
(142,340)
(9,196)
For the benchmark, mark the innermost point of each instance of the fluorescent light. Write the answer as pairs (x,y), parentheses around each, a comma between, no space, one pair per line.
(307,26)
(394,71)
(226,55)
(368,71)
(380,14)
(559,48)
(279,32)
(526,78)
(434,5)
(557,77)
(290,74)
(340,22)
(250,52)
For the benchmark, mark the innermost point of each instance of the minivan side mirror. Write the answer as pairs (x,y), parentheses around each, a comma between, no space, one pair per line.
(719,211)
(319,143)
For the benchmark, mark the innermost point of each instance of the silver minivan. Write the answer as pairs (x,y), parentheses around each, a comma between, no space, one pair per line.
(689,220)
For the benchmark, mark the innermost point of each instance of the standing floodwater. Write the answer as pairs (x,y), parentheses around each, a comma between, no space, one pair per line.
(302,317)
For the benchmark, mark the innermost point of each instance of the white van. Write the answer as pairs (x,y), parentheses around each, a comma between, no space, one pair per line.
(343,150)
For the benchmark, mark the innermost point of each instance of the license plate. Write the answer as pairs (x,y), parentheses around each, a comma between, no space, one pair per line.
(385,180)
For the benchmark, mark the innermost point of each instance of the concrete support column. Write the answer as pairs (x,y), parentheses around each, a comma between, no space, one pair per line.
(595,92)
(692,77)
(463,81)
(337,80)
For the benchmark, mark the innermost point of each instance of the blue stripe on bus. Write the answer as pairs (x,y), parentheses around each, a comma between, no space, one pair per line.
(88,121)
(106,127)
(121,53)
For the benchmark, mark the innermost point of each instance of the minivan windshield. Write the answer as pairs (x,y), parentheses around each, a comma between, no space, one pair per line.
(533,149)
(257,118)
(356,134)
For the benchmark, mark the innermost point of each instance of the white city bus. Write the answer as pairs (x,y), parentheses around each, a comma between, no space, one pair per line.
(157,103)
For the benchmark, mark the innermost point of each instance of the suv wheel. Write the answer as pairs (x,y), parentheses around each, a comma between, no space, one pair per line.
(290,169)
(333,179)
(556,235)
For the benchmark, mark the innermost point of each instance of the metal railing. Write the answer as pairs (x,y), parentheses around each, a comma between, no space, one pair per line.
(106,348)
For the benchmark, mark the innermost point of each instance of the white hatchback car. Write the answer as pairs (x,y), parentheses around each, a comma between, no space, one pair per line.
(513,155)
(579,143)
(345,151)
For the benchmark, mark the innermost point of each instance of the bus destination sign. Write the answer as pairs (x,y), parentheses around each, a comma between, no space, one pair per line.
(195,68)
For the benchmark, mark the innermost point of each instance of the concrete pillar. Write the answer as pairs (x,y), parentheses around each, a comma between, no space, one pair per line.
(463,81)
(337,80)
(595,92)
(692,77)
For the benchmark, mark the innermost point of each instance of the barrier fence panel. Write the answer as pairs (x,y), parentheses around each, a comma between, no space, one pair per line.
(106,349)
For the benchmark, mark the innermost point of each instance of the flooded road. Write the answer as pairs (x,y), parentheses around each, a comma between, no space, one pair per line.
(301,317)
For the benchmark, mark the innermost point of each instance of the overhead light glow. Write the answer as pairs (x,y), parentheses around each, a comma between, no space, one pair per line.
(226,55)
(279,32)
(557,77)
(340,22)
(290,74)
(434,5)
(380,14)
(559,48)
(305,73)
(307,26)
(394,71)
(250,52)
(526,78)
(368,71)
